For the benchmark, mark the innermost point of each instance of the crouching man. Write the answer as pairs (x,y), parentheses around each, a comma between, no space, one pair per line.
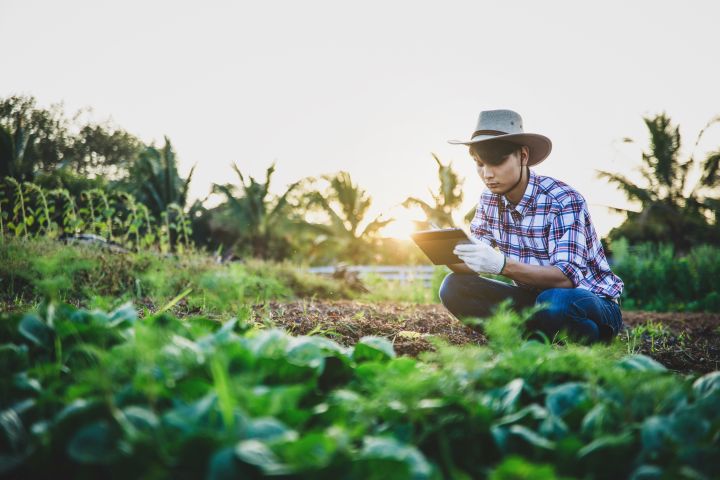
(545,236)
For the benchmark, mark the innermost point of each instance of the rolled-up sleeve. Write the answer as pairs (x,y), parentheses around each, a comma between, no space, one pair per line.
(479,227)
(567,241)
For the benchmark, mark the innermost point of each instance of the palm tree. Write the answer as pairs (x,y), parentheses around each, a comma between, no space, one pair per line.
(448,198)
(251,220)
(154,179)
(667,213)
(346,205)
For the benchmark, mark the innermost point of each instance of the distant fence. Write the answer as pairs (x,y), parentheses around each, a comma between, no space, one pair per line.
(401,273)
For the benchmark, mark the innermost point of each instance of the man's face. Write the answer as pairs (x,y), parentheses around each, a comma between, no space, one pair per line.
(504,174)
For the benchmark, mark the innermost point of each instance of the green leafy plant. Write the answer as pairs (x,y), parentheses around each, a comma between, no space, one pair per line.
(93,391)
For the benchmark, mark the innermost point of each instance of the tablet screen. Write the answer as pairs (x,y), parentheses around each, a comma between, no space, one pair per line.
(438,245)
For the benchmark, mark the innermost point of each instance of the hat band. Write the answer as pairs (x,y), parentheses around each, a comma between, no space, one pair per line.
(488,132)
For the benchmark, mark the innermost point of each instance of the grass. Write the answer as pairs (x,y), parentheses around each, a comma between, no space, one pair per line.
(85,274)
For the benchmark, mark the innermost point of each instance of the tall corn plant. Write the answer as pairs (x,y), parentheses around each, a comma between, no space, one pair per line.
(669,213)
(446,200)
(28,210)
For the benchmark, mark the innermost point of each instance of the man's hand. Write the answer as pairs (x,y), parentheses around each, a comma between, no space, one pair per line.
(480,257)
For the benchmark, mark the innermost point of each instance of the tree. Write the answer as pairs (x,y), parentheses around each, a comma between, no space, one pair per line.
(448,198)
(252,221)
(345,205)
(16,159)
(41,137)
(668,214)
(154,179)
(45,141)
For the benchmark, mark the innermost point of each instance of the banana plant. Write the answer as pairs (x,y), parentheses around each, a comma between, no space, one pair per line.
(446,200)
(668,213)
(345,204)
(251,219)
(154,179)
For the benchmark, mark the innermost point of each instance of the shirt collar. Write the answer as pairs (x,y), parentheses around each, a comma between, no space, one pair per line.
(527,197)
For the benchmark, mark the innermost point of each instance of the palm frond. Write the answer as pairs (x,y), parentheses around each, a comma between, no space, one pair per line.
(711,170)
(632,191)
(373,227)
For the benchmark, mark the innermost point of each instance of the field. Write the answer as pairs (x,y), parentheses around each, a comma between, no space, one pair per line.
(683,342)
(126,365)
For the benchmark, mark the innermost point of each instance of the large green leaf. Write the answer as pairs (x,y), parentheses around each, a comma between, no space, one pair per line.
(562,399)
(14,436)
(657,437)
(532,414)
(36,331)
(312,451)
(270,343)
(520,439)
(124,315)
(647,472)
(504,399)
(268,429)
(609,456)
(96,444)
(224,465)
(374,349)
(258,454)
(387,448)
(598,420)
(707,385)
(641,363)
(517,468)
(138,421)
(13,358)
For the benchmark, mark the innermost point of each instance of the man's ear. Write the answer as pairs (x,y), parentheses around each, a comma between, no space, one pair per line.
(525,155)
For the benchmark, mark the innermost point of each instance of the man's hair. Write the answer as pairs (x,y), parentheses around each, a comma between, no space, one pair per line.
(494,152)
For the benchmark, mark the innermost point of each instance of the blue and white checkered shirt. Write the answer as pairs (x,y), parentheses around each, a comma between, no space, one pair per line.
(550,225)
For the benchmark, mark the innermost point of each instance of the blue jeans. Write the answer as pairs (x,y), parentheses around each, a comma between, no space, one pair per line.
(584,315)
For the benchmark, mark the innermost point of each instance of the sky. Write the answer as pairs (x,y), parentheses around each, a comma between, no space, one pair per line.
(375,87)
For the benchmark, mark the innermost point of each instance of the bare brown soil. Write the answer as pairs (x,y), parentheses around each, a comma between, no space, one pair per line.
(684,342)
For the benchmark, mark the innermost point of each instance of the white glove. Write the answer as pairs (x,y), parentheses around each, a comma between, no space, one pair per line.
(480,257)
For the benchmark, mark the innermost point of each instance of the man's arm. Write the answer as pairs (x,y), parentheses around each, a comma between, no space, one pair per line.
(541,276)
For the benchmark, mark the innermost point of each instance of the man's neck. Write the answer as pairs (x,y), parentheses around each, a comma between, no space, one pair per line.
(515,195)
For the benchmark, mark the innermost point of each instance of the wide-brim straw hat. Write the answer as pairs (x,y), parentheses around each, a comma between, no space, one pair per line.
(508,126)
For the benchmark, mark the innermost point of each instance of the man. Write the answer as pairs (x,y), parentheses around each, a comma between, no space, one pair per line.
(545,236)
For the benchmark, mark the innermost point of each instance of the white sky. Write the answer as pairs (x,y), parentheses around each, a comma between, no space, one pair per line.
(373,87)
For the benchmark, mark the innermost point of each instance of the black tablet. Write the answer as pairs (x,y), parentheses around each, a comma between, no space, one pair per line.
(438,244)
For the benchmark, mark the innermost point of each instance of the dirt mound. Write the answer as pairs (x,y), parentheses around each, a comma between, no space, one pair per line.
(685,342)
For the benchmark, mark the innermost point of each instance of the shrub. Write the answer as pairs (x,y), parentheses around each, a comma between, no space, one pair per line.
(656,279)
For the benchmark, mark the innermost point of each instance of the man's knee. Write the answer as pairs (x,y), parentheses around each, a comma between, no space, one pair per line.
(553,299)
(449,288)
(562,312)
(552,315)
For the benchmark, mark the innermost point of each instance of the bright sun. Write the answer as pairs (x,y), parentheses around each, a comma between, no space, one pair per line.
(403,225)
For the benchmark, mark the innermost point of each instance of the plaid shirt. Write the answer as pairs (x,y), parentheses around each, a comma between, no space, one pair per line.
(550,225)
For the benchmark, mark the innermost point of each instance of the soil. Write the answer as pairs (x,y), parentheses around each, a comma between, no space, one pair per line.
(682,341)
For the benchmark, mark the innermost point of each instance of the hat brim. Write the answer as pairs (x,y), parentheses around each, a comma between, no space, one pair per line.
(540,146)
